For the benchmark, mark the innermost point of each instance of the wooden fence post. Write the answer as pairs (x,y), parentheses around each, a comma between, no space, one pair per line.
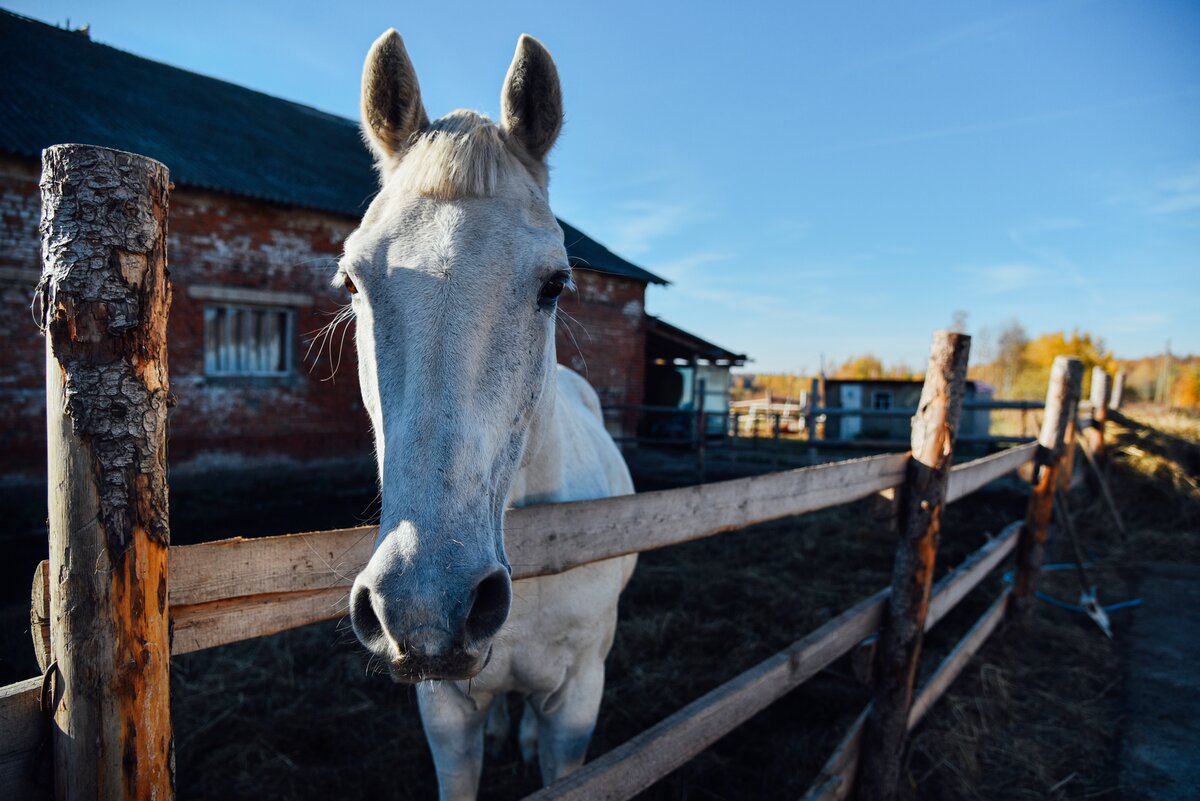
(105,298)
(1062,398)
(1099,397)
(1067,467)
(813,403)
(1118,391)
(701,427)
(922,496)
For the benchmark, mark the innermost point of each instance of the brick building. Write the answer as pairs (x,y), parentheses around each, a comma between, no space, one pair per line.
(265,192)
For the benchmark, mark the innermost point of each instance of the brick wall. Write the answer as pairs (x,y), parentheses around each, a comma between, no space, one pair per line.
(221,240)
(602,335)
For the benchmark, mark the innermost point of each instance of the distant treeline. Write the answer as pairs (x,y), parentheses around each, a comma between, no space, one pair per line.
(1018,367)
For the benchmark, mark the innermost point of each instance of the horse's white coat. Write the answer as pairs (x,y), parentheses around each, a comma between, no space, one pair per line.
(472,415)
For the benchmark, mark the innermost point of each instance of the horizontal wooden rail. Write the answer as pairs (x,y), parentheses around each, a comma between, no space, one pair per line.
(651,755)
(646,758)
(235,589)
(23,726)
(232,590)
(958,658)
(967,477)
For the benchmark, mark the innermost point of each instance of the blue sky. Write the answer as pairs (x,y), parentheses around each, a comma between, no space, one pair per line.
(814,178)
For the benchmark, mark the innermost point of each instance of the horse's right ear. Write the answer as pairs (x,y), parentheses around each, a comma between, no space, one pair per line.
(392,110)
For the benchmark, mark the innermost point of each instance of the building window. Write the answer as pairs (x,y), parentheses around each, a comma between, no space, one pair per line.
(881,399)
(247,340)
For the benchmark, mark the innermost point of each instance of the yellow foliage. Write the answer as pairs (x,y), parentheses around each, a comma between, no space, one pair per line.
(1185,390)
(1039,354)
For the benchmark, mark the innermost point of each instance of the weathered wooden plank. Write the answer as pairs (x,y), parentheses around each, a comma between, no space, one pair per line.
(646,758)
(921,502)
(231,568)
(958,658)
(198,626)
(835,781)
(105,296)
(235,589)
(539,539)
(22,727)
(968,477)
(550,539)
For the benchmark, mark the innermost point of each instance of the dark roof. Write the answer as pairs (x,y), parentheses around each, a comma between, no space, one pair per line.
(587,253)
(59,86)
(666,341)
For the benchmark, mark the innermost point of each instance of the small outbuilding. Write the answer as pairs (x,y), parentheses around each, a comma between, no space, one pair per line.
(876,396)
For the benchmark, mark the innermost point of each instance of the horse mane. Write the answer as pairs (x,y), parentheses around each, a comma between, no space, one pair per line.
(463,154)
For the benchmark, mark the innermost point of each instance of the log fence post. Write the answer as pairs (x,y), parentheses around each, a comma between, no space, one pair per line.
(921,499)
(701,428)
(105,297)
(777,456)
(1117,399)
(1062,398)
(813,402)
(1066,470)
(1100,396)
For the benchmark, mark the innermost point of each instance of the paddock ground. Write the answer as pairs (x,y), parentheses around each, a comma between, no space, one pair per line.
(1051,709)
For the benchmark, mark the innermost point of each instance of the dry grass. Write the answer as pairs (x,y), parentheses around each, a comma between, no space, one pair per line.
(1036,715)
(1039,713)
(299,716)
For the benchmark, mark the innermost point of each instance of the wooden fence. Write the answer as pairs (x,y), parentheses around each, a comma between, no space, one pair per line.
(230,590)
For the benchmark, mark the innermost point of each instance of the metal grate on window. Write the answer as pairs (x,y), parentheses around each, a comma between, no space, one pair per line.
(247,340)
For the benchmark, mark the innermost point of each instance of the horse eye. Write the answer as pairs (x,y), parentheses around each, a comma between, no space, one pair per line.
(551,290)
(349,285)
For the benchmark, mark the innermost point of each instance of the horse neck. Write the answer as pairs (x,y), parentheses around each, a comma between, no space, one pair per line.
(539,476)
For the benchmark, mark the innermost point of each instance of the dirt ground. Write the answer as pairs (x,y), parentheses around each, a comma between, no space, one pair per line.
(1041,712)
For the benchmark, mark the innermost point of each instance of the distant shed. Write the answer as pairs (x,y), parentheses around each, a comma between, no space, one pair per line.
(882,394)
(678,363)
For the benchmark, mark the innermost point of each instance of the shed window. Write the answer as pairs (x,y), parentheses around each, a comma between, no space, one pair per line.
(247,340)
(881,399)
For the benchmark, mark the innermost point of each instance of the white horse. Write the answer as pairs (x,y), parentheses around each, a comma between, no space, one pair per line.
(454,276)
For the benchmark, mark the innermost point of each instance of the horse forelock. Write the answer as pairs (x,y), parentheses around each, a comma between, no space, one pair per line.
(463,154)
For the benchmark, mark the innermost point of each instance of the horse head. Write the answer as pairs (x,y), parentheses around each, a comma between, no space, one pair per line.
(453,278)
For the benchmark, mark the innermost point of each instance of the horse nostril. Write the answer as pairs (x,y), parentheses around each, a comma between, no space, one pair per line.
(489,609)
(362,615)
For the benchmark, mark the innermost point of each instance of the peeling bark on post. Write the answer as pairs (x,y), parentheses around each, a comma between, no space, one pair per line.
(105,297)
(1062,398)
(934,429)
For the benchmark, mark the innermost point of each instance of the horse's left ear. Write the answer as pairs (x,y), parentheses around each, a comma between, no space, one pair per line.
(531,101)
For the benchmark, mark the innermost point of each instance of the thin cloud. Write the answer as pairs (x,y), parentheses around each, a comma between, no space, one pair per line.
(1002,125)
(1177,193)
(675,270)
(1002,279)
(644,223)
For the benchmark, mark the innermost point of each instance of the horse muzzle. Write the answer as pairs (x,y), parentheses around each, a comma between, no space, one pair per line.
(430,636)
